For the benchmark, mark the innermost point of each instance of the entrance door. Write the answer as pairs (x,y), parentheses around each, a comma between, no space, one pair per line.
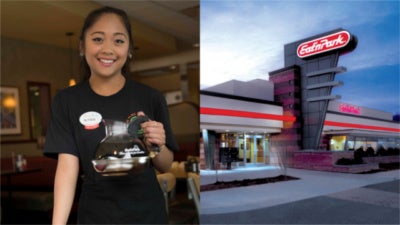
(260,149)
(253,148)
(244,145)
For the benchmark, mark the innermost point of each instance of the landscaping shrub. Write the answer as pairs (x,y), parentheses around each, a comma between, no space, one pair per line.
(347,161)
(393,151)
(370,152)
(358,154)
(381,151)
(390,151)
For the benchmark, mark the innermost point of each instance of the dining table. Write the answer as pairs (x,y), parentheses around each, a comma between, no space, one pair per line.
(8,174)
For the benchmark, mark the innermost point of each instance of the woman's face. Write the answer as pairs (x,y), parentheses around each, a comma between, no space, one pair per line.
(106,46)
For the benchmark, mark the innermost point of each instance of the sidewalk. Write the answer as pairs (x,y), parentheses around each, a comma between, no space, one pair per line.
(316,198)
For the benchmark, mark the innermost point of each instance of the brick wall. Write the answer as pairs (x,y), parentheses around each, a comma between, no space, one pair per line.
(287,92)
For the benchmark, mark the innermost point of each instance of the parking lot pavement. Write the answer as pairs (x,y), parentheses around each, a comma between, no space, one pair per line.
(317,198)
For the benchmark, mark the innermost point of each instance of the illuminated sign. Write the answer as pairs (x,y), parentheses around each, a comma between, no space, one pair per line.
(323,44)
(349,109)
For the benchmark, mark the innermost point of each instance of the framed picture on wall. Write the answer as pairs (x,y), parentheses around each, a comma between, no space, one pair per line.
(10,121)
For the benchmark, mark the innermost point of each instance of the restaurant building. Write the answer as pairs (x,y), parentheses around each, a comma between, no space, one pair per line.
(292,118)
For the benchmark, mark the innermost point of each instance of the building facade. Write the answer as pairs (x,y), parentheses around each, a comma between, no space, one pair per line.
(292,119)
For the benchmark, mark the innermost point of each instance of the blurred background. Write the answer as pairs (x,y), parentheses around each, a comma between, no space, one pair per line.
(40,56)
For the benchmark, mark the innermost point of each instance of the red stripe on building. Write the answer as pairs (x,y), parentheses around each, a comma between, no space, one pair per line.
(360,126)
(246,114)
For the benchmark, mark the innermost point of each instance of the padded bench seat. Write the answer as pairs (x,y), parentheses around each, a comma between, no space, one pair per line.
(31,200)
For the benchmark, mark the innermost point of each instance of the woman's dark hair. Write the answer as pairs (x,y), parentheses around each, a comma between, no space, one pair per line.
(92,18)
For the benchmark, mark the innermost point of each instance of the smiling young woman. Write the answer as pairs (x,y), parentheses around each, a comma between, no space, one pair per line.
(76,129)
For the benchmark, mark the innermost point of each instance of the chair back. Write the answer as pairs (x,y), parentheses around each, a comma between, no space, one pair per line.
(193,182)
(167,182)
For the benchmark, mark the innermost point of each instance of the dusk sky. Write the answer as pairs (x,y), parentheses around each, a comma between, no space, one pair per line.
(244,40)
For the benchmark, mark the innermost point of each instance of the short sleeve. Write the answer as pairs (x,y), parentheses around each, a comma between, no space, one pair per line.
(60,134)
(162,115)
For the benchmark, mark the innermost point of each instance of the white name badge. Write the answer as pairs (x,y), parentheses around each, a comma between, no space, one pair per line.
(90,120)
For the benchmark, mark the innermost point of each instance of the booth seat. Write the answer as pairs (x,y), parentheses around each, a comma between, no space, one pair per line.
(181,168)
(30,191)
(181,210)
(167,182)
(40,180)
(178,169)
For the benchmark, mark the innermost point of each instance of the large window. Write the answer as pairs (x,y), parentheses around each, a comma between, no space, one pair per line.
(360,142)
(350,143)
(337,142)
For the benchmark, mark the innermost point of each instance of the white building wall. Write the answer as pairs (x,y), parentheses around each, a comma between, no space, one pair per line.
(334,106)
(359,123)
(258,89)
(218,122)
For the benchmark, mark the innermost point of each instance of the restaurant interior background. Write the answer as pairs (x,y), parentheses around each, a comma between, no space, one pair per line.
(37,56)
(40,56)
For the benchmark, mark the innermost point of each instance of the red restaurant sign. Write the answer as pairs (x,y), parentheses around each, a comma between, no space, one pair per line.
(349,108)
(323,44)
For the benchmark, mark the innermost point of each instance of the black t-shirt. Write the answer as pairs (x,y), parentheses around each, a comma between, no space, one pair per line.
(75,128)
